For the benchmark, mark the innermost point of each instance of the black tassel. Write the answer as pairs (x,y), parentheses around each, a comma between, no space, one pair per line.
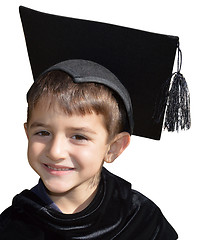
(178,105)
(176,99)
(178,102)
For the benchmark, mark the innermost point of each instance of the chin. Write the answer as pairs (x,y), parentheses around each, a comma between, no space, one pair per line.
(55,186)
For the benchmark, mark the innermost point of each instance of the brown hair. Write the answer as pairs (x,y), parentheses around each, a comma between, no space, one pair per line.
(78,98)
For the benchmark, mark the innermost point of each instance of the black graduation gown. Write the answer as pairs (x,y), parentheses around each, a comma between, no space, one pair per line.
(117,212)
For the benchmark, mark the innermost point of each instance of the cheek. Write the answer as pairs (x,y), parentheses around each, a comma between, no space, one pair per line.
(35,149)
(91,157)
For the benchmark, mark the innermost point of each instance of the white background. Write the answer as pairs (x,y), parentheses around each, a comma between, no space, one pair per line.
(166,171)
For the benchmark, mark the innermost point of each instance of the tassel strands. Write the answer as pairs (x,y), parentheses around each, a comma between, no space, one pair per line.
(178,102)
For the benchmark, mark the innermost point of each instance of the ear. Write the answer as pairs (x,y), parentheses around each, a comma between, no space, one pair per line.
(26,129)
(117,146)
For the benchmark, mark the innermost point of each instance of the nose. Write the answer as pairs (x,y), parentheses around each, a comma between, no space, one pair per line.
(57,149)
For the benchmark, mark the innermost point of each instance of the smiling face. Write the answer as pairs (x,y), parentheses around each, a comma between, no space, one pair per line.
(67,152)
(72,129)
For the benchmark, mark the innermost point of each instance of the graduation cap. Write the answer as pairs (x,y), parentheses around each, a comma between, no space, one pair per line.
(142,61)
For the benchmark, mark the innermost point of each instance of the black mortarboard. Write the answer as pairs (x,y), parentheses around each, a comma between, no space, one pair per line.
(142,61)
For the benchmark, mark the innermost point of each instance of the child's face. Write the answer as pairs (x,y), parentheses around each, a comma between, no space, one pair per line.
(66,151)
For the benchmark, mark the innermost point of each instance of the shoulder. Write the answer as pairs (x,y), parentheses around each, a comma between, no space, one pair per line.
(17,217)
(151,218)
(123,189)
(5,217)
(8,214)
(133,201)
(143,218)
(142,202)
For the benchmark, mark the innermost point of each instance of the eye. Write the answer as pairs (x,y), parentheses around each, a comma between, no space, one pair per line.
(43,133)
(79,137)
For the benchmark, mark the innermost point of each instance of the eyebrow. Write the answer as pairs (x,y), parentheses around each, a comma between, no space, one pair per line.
(38,124)
(75,129)
(82,129)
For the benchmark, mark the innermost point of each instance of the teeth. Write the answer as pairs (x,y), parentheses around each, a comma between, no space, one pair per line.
(58,169)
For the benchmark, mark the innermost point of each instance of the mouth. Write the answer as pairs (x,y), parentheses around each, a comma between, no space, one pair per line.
(57,168)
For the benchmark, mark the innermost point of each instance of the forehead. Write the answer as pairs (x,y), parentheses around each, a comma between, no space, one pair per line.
(49,111)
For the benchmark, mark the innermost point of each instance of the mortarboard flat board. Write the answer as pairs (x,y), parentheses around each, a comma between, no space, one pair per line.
(142,61)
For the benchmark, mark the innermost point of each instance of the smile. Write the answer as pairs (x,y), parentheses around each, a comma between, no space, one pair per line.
(58,168)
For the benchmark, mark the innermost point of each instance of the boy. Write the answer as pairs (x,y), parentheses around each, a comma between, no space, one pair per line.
(80,115)
(72,128)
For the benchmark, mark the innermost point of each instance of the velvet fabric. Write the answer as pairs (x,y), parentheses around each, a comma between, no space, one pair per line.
(117,212)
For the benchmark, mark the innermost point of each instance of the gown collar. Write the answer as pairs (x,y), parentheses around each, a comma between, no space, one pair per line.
(41,192)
